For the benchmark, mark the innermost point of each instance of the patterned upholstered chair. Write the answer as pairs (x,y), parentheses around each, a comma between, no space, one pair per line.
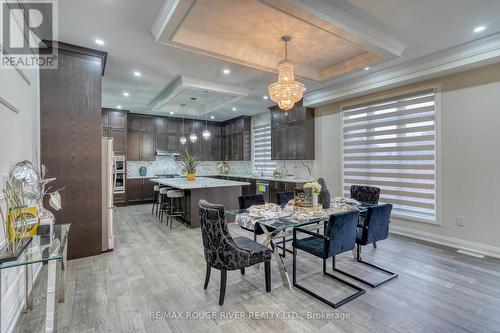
(365,194)
(339,236)
(375,228)
(282,198)
(226,253)
(246,201)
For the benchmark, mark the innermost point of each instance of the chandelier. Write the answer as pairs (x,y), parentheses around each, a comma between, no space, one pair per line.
(286,92)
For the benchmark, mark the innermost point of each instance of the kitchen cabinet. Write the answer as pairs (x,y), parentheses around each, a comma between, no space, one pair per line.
(276,187)
(292,136)
(114,125)
(236,139)
(140,138)
(139,190)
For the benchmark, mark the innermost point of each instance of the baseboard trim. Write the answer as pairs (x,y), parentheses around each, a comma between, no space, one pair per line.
(456,243)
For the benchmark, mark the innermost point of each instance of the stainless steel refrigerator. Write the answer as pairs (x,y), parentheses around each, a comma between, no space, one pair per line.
(107,194)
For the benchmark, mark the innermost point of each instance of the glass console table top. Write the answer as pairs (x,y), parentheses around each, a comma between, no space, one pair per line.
(42,248)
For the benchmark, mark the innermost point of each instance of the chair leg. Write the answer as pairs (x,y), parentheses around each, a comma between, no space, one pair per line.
(359,291)
(207,277)
(374,245)
(284,247)
(254,236)
(223,280)
(267,272)
(242,271)
(171,212)
(391,276)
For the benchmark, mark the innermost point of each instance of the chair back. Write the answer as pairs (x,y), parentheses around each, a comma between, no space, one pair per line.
(324,196)
(376,224)
(282,198)
(245,201)
(367,194)
(341,231)
(219,247)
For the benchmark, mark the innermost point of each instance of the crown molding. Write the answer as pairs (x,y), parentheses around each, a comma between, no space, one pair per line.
(467,56)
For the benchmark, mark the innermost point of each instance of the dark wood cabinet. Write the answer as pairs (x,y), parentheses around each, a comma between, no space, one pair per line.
(236,139)
(114,125)
(292,135)
(140,138)
(139,190)
(279,186)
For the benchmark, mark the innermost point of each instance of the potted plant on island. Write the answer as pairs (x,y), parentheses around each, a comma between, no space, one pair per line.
(188,163)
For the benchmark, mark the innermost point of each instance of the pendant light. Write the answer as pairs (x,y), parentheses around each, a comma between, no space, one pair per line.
(286,92)
(183,138)
(193,137)
(206,132)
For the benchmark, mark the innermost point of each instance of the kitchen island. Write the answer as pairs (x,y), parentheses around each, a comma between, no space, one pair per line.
(218,191)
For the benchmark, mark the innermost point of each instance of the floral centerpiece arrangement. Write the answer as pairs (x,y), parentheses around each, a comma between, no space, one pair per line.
(315,189)
(188,163)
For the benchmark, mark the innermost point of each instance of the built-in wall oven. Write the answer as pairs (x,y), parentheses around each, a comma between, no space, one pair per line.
(119,174)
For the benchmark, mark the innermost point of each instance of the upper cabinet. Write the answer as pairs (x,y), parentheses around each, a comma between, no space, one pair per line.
(140,138)
(236,139)
(292,135)
(114,125)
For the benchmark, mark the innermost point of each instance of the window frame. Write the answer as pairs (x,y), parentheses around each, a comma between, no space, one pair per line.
(437,123)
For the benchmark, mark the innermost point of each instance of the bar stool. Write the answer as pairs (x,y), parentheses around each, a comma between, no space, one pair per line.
(171,209)
(156,201)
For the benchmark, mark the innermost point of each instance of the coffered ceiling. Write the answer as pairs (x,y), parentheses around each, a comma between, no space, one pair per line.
(165,39)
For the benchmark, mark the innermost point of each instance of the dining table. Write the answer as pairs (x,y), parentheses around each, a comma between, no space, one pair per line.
(279,222)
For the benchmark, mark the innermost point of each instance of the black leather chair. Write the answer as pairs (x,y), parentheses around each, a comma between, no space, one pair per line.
(375,228)
(282,198)
(226,253)
(365,194)
(339,236)
(246,201)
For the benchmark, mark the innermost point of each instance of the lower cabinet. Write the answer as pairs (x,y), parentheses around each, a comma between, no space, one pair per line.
(140,190)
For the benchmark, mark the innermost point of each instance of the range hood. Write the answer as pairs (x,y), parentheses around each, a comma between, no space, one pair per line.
(166,152)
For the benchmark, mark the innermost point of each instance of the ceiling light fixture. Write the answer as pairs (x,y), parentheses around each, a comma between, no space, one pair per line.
(234,109)
(171,112)
(118,106)
(206,132)
(138,74)
(367,68)
(265,97)
(286,92)
(212,117)
(479,29)
(182,139)
(226,71)
(126,94)
(193,137)
(99,41)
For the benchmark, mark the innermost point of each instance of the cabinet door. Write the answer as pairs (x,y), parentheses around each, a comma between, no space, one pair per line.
(117,120)
(105,119)
(147,147)
(134,123)
(173,142)
(134,190)
(160,125)
(148,192)
(134,146)
(302,140)
(275,143)
(216,148)
(174,125)
(291,142)
(147,124)
(161,141)
(276,116)
(119,138)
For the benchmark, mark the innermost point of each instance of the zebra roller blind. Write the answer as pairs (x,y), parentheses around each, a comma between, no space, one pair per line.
(262,149)
(391,144)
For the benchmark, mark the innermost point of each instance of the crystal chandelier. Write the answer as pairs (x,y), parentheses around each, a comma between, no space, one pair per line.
(183,138)
(206,132)
(286,92)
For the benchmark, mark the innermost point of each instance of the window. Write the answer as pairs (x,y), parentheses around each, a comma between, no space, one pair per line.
(262,149)
(391,144)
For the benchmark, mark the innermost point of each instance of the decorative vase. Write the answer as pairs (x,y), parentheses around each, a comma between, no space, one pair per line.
(315,199)
(191,177)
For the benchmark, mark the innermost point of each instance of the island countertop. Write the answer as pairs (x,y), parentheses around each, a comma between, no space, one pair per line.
(200,182)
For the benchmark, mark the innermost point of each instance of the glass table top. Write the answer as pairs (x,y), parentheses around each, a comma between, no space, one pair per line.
(42,248)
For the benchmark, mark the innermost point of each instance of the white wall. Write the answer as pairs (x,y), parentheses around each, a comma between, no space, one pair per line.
(469,157)
(19,140)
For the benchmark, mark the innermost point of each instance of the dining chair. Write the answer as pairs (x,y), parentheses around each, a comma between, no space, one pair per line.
(282,198)
(338,237)
(365,194)
(225,253)
(374,228)
(245,202)
(324,195)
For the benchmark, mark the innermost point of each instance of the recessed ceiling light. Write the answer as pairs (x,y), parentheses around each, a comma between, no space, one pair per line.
(212,117)
(171,112)
(99,42)
(234,109)
(126,94)
(226,71)
(265,97)
(367,68)
(138,74)
(480,28)
(118,106)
